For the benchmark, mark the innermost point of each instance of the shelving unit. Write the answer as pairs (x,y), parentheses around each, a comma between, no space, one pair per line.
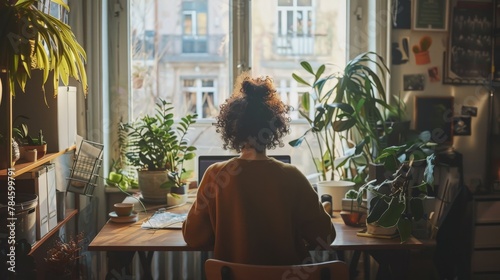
(23,167)
(70,213)
(486,245)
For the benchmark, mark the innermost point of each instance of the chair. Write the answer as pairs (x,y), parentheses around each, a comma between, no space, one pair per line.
(222,270)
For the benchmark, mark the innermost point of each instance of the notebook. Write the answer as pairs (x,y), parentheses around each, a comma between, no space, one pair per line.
(205,161)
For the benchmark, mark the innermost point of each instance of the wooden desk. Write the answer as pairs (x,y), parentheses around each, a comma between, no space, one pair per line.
(121,237)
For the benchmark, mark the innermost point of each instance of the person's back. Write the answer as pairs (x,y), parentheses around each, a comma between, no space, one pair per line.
(254,209)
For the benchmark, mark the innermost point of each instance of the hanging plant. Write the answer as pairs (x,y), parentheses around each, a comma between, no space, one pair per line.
(35,40)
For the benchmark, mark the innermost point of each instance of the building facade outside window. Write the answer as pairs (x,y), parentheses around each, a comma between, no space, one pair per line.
(183,52)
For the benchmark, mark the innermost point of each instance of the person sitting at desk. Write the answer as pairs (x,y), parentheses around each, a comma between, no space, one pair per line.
(254,209)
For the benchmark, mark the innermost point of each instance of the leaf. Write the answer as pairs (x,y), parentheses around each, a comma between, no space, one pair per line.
(404,227)
(393,213)
(167,185)
(307,67)
(377,207)
(300,80)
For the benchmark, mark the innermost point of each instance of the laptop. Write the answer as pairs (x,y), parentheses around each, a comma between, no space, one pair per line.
(205,161)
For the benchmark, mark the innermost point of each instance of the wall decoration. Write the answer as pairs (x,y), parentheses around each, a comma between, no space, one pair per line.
(430,15)
(421,51)
(400,51)
(434,74)
(462,126)
(469,111)
(413,82)
(401,14)
(435,114)
(468,59)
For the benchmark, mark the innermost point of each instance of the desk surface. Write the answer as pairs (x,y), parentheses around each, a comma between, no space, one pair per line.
(131,237)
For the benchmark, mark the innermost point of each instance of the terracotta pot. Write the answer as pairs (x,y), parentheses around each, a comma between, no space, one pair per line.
(422,58)
(353,219)
(41,150)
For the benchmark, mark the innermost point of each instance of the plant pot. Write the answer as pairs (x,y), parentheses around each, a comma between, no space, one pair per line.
(422,58)
(149,184)
(336,189)
(378,230)
(41,150)
(177,196)
(353,219)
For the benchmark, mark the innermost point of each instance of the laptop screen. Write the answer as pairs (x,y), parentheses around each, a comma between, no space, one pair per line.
(205,161)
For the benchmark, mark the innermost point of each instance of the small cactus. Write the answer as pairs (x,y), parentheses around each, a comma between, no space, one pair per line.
(424,45)
(40,137)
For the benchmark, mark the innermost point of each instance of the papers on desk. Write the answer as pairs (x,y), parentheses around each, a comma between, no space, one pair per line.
(163,219)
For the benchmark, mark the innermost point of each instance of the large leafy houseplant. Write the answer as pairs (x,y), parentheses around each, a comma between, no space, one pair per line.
(398,200)
(157,143)
(349,106)
(32,39)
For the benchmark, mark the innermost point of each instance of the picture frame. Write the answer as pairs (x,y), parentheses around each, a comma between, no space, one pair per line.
(470,42)
(435,114)
(430,15)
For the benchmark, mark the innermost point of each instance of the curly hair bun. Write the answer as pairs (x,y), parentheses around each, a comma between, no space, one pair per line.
(255,90)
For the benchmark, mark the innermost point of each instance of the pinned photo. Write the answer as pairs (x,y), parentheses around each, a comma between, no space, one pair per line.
(434,74)
(469,111)
(461,126)
(413,82)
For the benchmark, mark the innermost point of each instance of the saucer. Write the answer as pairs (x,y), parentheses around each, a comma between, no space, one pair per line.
(123,219)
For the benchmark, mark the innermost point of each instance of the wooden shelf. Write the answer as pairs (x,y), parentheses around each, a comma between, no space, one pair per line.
(23,167)
(70,213)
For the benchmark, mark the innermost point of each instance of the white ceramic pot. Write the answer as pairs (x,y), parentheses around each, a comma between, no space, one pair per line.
(378,230)
(337,189)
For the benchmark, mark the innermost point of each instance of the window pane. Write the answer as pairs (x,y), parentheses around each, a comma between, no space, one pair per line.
(202,24)
(315,32)
(188,24)
(304,2)
(179,55)
(285,2)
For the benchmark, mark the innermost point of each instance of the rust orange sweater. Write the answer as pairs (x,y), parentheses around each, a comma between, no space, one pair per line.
(257,212)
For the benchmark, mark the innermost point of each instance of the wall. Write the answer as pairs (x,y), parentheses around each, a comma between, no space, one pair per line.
(473,146)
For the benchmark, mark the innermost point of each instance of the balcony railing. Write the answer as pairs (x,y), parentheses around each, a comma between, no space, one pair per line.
(298,45)
(182,48)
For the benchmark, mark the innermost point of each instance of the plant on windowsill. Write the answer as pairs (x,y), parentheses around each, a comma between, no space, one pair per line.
(158,148)
(121,174)
(397,201)
(350,108)
(352,102)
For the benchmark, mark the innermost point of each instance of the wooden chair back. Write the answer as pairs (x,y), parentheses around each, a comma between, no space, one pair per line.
(221,270)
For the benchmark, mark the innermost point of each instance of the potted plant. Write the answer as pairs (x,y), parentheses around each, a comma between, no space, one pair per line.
(22,136)
(397,202)
(355,215)
(38,41)
(61,259)
(349,106)
(158,148)
(121,174)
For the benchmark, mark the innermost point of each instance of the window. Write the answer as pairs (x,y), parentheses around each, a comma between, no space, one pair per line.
(195,29)
(200,97)
(189,52)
